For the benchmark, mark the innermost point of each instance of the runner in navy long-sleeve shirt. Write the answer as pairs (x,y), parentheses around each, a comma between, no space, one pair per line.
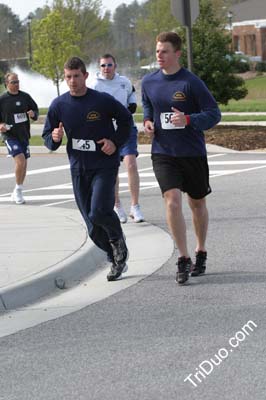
(93,144)
(177,108)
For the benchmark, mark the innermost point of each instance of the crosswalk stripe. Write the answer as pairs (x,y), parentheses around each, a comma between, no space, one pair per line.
(148,181)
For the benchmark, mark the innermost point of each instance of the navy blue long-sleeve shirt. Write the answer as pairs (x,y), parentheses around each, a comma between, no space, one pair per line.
(186,92)
(86,120)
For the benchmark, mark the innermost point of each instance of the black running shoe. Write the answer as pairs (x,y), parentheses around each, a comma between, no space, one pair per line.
(200,265)
(116,272)
(120,254)
(183,269)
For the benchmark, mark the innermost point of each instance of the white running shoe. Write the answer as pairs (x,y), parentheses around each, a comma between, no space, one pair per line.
(17,196)
(136,214)
(121,214)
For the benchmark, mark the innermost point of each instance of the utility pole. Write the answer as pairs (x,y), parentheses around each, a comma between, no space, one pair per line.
(186,11)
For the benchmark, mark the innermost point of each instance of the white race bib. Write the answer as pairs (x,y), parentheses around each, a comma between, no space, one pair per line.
(83,145)
(21,117)
(166,121)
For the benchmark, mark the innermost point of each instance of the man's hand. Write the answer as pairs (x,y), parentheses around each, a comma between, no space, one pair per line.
(178,119)
(108,147)
(149,128)
(3,128)
(58,133)
(31,113)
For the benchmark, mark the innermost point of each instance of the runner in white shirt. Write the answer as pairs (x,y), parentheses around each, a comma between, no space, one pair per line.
(109,81)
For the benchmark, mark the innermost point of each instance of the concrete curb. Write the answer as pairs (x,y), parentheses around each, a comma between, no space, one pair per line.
(73,269)
(88,263)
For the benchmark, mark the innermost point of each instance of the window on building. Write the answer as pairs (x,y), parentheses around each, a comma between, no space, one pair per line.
(236,43)
(250,45)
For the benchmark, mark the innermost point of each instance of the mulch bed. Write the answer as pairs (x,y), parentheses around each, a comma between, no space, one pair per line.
(231,137)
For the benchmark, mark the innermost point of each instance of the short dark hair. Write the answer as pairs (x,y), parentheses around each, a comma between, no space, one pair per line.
(170,37)
(75,63)
(8,74)
(108,55)
(6,77)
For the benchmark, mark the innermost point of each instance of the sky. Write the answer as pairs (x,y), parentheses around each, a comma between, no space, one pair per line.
(23,8)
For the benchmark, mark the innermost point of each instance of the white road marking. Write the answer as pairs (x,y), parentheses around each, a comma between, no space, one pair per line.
(38,171)
(216,155)
(242,162)
(57,203)
(141,184)
(64,186)
(144,173)
(236,171)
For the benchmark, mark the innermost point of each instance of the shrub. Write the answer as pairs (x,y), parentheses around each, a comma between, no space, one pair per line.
(240,64)
(261,67)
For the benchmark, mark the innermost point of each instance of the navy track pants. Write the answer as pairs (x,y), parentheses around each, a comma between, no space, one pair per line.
(94,192)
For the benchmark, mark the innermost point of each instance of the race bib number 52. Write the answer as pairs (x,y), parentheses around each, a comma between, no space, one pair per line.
(20,117)
(166,121)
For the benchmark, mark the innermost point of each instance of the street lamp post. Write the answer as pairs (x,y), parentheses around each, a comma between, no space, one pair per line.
(9,32)
(132,39)
(230,19)
(29,39)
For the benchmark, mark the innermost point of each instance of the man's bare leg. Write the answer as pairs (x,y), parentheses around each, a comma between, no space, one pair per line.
(20,168)
(200,218)
(133,177)
(175,220)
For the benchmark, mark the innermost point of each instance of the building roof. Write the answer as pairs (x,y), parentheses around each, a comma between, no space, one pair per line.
(258,23)
(249,10)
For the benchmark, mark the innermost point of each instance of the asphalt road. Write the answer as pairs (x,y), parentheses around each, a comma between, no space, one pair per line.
(156,340)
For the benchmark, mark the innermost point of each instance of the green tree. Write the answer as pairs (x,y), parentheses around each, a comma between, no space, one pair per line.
(92,27)
(53,42)
(210,56)
(127,43)
(40,12)
(155,17)
(12,35)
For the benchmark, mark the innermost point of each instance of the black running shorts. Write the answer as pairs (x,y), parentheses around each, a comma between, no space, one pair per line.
(189,174)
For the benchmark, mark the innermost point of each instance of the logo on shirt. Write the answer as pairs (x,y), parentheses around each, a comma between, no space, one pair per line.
(93,116)
(18,103)
(123,86)
(179,96)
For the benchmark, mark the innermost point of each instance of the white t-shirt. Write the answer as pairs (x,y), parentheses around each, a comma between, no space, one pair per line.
(120,87)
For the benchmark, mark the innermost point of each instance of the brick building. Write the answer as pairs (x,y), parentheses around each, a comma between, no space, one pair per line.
(248,27)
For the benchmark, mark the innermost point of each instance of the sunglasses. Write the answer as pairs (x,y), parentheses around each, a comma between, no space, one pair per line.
(106,65)
(13,82)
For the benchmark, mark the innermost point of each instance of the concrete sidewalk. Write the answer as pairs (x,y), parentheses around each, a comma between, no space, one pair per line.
(40,247)
(37,129)
(44,250)
(142,148)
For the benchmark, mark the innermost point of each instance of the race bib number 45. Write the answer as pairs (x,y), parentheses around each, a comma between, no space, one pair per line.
(83,145)
(166,121)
